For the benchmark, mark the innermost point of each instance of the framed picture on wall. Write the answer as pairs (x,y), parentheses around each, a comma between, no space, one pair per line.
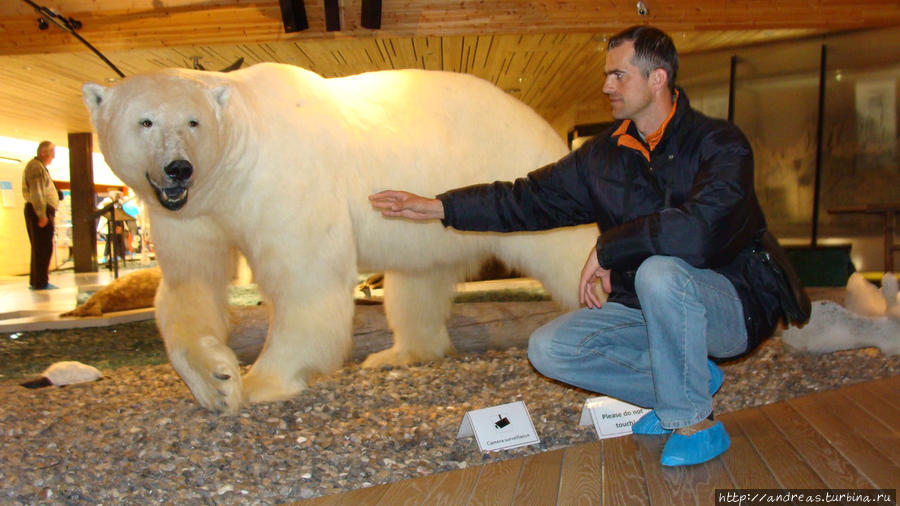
(876,123)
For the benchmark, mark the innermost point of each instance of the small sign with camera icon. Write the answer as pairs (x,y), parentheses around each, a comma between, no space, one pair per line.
(499,427)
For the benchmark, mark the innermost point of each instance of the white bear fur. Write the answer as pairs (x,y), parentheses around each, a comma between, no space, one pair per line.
(865,299)
(283,163)
(869,317)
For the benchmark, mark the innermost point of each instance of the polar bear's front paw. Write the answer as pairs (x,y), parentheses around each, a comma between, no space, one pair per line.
(212,372)
(396,356)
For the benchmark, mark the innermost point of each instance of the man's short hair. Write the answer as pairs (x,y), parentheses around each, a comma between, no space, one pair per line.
(653,49)
(43,147)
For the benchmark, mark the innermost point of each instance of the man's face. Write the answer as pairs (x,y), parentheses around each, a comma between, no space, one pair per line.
(48,155)
(628,90)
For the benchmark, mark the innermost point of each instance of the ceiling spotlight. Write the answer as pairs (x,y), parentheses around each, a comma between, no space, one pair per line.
(641,8)
(371,14)
(42,24)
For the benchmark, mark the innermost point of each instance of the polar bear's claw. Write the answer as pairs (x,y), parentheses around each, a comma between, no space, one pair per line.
(212,373)
(226,396)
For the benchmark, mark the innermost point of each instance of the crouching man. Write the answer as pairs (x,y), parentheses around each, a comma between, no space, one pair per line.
(680,252)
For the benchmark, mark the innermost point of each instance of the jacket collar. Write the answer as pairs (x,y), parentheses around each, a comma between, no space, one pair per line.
(628,136)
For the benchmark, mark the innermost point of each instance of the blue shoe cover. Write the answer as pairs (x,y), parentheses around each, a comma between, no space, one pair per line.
(696,448)
(48,286)
(649,424)
(716,377)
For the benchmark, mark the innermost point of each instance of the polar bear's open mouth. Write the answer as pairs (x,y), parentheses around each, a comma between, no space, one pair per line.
(172,197)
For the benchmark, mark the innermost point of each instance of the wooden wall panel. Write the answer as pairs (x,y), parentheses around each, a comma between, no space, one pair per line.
(546,52)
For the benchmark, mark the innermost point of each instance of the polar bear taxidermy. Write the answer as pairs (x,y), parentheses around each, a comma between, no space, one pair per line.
(277,162)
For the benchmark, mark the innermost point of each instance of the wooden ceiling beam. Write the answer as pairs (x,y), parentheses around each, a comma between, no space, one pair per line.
(137,24)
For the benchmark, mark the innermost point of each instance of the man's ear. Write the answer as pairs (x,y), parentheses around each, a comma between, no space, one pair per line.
(659,79)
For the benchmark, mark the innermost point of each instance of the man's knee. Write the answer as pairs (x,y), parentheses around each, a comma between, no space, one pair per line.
(659,274)
(539,349)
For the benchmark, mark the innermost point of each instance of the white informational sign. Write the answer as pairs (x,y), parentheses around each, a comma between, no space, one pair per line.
(499,427)
(6,190)
(610,417)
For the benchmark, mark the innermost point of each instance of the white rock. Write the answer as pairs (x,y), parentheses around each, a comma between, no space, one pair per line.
(70,373)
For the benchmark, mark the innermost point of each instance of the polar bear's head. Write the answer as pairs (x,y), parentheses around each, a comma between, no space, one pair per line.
(161,133)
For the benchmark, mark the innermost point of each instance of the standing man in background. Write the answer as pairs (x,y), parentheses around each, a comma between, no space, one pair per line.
(41,202)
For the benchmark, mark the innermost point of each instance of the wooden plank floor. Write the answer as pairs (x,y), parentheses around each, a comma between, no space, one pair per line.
(842,439)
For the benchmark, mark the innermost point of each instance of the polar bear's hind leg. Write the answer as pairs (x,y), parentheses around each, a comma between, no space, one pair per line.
(417,306)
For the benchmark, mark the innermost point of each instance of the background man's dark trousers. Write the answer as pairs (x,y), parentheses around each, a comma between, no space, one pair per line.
(41,239)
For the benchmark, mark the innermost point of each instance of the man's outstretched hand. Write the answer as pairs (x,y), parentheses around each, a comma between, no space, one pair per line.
(402,204)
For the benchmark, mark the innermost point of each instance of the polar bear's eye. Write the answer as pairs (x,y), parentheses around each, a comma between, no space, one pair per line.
(146,123)
(193,123)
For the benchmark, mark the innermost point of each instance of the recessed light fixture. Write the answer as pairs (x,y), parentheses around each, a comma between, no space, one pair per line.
(641,8)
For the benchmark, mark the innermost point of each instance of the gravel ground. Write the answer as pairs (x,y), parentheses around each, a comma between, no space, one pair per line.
(138,437)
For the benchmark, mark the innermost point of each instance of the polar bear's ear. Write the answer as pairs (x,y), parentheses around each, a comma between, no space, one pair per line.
(93,95)
(221,94)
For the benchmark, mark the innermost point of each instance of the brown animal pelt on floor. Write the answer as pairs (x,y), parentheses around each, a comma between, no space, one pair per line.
(132,291)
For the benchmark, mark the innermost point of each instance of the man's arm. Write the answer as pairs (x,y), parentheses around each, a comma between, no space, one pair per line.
(33,191)
(555,195)
(402,204)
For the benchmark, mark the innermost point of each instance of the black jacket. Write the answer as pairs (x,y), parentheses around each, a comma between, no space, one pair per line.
(692,197)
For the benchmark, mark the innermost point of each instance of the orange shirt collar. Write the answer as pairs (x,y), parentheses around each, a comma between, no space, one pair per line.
(624,139)
(654,138)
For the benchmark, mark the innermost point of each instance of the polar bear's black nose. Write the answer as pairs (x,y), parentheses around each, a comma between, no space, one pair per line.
(179,170)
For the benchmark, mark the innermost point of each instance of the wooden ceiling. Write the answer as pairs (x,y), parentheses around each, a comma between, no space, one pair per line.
(548,53)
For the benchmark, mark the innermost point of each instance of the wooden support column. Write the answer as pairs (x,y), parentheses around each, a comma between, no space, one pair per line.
(81,177)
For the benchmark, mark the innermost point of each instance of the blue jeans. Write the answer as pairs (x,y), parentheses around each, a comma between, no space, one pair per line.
(654,357)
